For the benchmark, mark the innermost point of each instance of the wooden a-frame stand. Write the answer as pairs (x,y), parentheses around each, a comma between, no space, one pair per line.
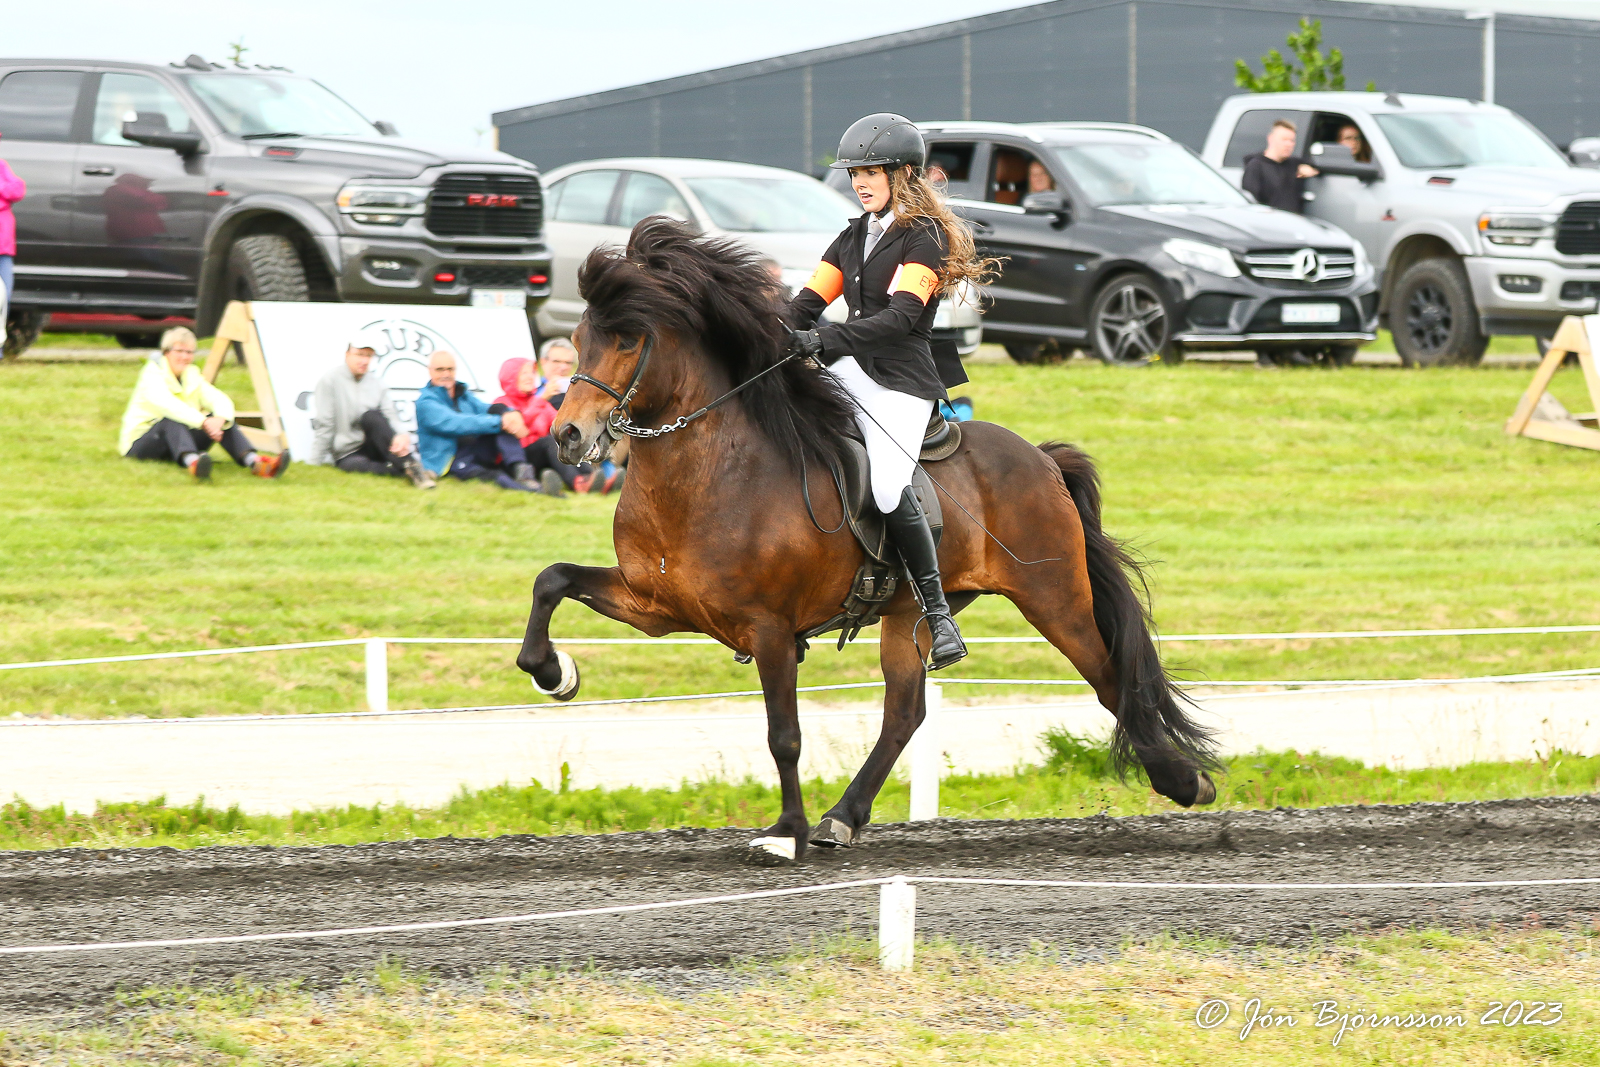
(263,428)
(1547,420)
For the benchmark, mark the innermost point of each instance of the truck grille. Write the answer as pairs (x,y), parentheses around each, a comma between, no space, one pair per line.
(458,208)
(495,277)
(1578,233)
(1308,266)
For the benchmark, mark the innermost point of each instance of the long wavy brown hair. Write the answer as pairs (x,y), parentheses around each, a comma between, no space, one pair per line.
(914,198)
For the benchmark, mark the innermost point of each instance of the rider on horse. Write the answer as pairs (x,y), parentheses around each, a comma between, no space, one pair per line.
(892,265)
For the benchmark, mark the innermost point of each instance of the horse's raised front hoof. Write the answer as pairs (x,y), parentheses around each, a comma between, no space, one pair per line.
(567,686)
(833,833)
(1207,791)
(770,852)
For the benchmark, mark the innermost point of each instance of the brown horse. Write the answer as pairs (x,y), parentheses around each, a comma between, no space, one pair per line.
(713,534)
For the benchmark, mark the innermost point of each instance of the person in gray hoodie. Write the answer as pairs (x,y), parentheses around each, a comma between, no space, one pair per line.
(354,420)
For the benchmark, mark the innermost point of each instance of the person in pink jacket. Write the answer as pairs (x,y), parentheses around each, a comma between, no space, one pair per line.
(12,189)
(517,380)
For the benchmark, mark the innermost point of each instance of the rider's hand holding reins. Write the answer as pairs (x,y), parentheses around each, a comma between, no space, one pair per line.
(806,344)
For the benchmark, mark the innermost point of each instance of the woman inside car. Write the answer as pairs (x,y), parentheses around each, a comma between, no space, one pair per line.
(892,265)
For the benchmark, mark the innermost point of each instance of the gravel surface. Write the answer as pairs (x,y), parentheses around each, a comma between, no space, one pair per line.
(80,895)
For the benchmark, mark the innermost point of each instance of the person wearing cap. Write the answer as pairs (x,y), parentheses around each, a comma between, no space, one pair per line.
(175,416)
(892,265)
(353,420)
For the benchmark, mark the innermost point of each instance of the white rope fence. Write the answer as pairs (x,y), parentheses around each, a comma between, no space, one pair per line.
(897,910)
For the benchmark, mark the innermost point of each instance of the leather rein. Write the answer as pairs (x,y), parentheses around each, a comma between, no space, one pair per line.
(620,421)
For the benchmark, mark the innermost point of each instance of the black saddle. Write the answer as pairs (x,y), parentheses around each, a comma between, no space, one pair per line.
(879,577)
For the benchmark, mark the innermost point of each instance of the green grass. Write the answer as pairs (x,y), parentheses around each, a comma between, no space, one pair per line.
(832,1005)
(1073,781)
(1368,498)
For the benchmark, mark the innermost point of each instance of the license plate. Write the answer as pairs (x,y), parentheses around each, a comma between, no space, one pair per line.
(503,298)
(1306,313)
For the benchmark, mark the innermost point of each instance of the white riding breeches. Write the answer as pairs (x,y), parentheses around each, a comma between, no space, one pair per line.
(892,424)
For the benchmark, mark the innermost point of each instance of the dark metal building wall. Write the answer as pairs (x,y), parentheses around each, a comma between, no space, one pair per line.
(594,133)
(1550,79)
(1078,65)
(921,81)
(1187,54)
(1068,67)
(754,120)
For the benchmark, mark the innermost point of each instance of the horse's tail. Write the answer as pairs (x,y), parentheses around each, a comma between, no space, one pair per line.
(1152,725)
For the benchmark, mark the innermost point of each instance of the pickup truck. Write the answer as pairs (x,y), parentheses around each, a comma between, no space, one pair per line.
(1476,223)
(161,191)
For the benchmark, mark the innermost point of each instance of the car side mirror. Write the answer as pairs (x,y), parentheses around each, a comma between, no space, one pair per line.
(1048,203)
(159,135)
(1585,152)
(1338,159)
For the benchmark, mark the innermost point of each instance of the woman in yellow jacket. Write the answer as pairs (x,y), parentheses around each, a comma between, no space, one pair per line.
(176,415)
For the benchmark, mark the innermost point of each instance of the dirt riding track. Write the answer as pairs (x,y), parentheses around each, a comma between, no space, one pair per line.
(89,895)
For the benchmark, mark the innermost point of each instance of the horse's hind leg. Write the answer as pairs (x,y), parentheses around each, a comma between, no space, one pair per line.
(1062,611)
(903,711)
(601,588)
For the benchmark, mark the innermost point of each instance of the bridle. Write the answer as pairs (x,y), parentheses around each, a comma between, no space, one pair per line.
(620,421)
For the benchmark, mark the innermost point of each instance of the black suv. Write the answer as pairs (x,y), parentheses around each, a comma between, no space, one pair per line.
(1120,241)
(159,191)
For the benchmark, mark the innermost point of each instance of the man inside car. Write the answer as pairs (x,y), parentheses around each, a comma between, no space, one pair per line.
(1277,176)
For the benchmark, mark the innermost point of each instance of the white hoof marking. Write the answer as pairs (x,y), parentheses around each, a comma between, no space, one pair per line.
(782,847)
(568,685)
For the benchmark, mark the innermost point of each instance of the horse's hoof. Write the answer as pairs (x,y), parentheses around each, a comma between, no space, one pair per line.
(1207,790)
(831,833)
(770,852)
(567,687)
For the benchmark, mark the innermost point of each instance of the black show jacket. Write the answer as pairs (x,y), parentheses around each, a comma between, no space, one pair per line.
(887,332)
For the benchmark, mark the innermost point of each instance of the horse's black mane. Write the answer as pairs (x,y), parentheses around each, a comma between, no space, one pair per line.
(716,292)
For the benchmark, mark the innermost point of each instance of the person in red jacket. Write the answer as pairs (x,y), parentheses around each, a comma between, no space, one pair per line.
(518,377)
(521,382)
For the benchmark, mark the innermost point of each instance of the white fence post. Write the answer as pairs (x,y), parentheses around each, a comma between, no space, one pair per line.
(377,674)
(897,924)
(925,758)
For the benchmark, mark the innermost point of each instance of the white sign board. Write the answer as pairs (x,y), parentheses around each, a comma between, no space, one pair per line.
(303,341)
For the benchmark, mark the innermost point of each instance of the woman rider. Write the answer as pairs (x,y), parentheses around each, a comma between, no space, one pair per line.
(892,265)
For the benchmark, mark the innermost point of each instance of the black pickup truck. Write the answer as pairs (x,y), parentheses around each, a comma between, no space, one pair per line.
(161,191)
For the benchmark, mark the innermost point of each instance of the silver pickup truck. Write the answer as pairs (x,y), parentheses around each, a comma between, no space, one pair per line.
(1477,224)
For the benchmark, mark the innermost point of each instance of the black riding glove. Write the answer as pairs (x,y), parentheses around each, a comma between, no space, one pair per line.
(806,343)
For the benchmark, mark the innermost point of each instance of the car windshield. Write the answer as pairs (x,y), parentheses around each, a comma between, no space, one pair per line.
(256,105)
(1159,173)
(1465,139)
(769,205)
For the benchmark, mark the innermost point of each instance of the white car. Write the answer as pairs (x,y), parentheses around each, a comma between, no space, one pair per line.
(781,214)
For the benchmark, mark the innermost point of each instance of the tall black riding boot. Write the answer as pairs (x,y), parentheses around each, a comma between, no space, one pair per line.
(908,526)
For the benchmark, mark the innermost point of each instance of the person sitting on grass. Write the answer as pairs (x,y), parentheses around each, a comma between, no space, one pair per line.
(176,415)
(354,421)
(518,379)
(459,434)
(558,358)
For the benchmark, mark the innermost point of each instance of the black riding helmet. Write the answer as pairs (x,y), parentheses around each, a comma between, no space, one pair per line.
(883,140)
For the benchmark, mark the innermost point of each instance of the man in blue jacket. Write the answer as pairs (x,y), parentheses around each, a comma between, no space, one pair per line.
(459,434)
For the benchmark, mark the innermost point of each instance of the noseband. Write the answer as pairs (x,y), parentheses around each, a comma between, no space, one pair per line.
(620,421)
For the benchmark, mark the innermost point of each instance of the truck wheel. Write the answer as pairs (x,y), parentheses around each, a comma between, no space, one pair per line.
(1130,322)
(22,330)
(265,266)
(1433,317)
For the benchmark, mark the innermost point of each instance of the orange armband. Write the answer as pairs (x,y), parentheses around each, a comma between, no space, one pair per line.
(827,282)
(917,279)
